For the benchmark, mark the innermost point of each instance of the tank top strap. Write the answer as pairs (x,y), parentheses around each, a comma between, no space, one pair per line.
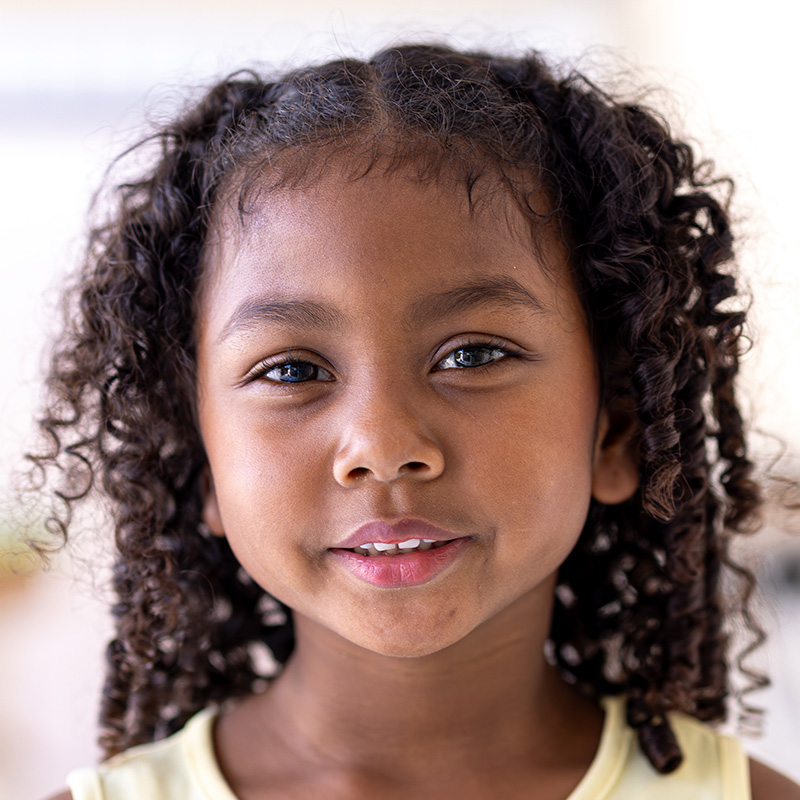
(613,752)
(181,766)
(185,766)
(714,767)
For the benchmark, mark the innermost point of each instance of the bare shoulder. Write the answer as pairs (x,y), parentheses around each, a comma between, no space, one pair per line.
(767,784)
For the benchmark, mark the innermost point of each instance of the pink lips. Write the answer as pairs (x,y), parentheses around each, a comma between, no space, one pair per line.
(397,532)
(405,569)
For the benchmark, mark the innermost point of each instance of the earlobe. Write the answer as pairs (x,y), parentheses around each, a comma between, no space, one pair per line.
(616,461)
(210,510)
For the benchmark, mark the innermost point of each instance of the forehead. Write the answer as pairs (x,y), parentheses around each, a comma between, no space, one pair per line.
(378,232)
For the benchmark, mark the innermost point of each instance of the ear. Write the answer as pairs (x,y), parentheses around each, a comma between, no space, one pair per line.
(210,510)
(616,460)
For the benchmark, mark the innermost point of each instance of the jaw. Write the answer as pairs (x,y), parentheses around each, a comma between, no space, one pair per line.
(425,625)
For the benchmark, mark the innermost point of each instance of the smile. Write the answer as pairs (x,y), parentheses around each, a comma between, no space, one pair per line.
(386,549)
(402,564)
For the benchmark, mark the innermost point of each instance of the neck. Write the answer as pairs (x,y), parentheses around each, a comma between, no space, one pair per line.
(490,694)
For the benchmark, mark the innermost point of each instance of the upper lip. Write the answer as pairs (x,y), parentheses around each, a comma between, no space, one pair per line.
(395,532)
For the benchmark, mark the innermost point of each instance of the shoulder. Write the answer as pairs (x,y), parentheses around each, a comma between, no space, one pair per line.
(767,784)
(65,795)
(714,765)
(183,765)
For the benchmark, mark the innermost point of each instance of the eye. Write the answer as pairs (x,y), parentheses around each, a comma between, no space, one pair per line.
(474,355)
(292,372)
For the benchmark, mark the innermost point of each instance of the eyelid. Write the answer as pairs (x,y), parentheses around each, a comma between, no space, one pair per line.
(477,340)
(286,357)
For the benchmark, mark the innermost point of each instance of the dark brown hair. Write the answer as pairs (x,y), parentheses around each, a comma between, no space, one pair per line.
(638,607)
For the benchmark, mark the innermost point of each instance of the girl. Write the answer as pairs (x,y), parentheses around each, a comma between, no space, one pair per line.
(411,383)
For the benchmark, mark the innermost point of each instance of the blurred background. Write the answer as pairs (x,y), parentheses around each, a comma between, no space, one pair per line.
(78,81)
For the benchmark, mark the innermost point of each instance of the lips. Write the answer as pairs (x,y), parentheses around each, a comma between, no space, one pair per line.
(395,533)
(407,553)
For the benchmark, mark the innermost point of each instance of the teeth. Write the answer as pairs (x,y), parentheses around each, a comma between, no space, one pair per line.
(408,546)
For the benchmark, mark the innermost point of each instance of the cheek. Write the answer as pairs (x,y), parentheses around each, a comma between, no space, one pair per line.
(262,474)
(543,472)
(255,453)
(545,431)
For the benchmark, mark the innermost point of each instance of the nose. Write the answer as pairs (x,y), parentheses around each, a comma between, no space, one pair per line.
(386,441)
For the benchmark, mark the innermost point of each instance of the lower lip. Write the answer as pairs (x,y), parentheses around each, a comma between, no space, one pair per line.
(410,569)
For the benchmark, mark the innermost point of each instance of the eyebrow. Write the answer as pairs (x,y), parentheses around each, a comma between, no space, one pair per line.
(253,313)
(493,291)
(503,291)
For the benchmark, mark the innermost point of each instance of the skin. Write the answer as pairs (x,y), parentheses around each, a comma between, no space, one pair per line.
(449,672)
(504,453)
(438,690)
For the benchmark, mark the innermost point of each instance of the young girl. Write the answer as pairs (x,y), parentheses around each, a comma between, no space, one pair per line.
(411,384)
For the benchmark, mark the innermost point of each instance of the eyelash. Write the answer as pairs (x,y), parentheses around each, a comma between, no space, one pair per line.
(494,346)
(261,369)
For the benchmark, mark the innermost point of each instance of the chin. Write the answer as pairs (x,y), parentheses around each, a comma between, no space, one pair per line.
(409,644)
(407,649)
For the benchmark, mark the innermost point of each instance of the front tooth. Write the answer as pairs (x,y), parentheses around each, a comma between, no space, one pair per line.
(409,544)
(381,547)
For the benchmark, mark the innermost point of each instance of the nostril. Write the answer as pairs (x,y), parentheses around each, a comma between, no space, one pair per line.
(354,465)
(411,466)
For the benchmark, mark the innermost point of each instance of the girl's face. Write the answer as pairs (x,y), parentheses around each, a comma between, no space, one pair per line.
(374,352)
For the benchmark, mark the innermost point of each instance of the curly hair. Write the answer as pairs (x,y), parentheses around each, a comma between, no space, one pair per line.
(639,608)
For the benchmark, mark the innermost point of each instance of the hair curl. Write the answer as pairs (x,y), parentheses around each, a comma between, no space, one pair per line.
(638,606)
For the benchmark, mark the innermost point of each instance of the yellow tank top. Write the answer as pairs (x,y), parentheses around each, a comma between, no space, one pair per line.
(184,767)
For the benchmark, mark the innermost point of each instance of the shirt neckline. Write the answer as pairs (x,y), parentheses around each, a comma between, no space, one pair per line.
(596,784)
(612,753)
